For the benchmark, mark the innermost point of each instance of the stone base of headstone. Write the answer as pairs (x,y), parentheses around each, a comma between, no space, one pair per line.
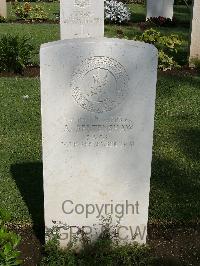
(98,101)
(160,8)
(195,34)
(3,8)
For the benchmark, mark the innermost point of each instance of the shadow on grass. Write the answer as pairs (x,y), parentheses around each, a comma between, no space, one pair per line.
(189,142)
(181,56)
(29,180)
(174,192)
(183,15)
(138,17)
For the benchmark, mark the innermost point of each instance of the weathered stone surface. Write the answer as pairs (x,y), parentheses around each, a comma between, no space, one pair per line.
(3,8)
(98,100)
(81,18)
(195,35)
(160,8)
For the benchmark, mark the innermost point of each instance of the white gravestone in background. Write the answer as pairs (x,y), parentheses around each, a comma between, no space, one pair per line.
(3,8)
(98,100)
(81,18)
(160,8)
(195,36)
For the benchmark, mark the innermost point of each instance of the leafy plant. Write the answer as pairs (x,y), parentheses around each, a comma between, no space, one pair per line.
(161,21)
(15,53)
(106,250)
(37,13)
(2,19)
(9,256)
(22,11)
(171,42)
(195,62)
(116,12)
(166,62)
(28,12)
(166,45)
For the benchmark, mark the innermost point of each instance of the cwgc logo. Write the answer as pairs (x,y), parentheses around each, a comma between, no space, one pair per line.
(81,3)
(99,84)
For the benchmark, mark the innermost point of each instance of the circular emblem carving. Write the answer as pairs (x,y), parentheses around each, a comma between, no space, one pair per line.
(82,3)
(99,84)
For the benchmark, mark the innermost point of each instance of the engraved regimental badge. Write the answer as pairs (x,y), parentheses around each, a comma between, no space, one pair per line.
(99,84)
(81,3)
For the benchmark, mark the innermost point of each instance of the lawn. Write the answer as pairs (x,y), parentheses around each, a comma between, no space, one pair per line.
(42,33)
(175,181)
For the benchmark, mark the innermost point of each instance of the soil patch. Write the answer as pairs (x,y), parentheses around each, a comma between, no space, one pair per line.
(34,71)
(31,71)
(174,245)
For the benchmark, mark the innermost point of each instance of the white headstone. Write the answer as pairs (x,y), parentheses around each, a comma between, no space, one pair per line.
(160,8)
(98,100)
(195,36)
(81,18)
(3,8)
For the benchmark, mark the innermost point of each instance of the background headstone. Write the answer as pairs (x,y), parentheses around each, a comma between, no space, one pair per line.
(160,8)
(98,101)
(195,35)
(81,18)
(3,8)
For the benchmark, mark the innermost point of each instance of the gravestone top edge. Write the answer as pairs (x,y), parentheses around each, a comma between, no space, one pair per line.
(105,40)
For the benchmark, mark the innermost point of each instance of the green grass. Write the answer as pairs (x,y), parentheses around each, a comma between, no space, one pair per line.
(181,13)
(20,143)
(138,12)
(38,33)
(175,175)
(175,182)
(41,33)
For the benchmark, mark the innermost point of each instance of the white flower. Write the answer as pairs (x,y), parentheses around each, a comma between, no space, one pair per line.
(25,97)
(116,11)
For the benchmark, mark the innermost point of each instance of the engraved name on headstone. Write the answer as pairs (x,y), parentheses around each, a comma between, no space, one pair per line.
(160,8)
(98,101)
(3,8)
(195,35)
(81,18)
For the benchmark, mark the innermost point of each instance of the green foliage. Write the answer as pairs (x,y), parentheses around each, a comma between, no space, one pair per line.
(15,53)
(161,21)
(195,62)
(166,45)
(150,36)
(2,19)
(9,256)
(38,14)
(22,11)
(4,216)
(28,12)
(106,250)
(166,62)
(171,42)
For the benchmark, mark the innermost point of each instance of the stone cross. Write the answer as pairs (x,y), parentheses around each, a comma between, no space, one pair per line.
(81,18)
(98,102)
(3,8)
(195,34)
(160,8)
